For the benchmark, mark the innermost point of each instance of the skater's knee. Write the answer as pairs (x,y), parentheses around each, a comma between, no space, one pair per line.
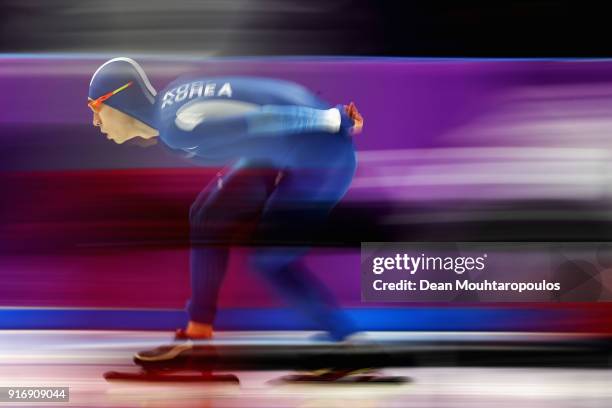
(193,214)
(204,227)
(197,218)
(270,262)
(261,263)
(267,263)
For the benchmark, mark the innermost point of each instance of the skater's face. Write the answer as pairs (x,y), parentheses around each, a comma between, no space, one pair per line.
(115,125)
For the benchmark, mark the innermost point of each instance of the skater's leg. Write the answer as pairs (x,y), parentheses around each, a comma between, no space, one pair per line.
(286,273)
(208,266)
(224,214)
(302,201)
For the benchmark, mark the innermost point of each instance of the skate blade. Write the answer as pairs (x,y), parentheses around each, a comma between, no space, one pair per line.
(351,379)
(147,376)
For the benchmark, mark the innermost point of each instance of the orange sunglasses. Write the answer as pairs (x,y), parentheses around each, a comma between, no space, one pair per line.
(94,104)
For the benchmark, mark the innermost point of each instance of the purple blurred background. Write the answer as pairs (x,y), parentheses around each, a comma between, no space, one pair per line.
(451,150)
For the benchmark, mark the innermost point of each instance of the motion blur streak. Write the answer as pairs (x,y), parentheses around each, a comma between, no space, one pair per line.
(77,359)
(556,173)
(211,27)
(576,115)
(314,27)
(454,150)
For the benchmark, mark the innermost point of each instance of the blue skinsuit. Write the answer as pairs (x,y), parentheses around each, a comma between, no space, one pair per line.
(289,162)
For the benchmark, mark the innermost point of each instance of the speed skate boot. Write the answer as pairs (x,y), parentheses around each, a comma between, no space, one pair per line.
(181,346)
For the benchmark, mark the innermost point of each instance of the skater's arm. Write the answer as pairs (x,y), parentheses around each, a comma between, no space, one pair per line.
(267,121)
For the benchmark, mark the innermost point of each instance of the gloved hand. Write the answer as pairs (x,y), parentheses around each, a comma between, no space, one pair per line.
(355,119)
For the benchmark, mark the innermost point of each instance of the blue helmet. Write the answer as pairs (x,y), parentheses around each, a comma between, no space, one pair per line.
(136,100)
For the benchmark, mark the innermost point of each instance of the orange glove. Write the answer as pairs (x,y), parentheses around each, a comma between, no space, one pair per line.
(353,113)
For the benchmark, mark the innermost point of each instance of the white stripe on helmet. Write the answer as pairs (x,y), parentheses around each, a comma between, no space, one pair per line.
(136,66)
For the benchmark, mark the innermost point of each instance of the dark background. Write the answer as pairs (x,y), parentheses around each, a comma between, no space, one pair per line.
(315,27)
